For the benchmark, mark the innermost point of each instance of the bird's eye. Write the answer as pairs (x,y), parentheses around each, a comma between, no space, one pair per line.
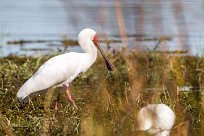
(95,38)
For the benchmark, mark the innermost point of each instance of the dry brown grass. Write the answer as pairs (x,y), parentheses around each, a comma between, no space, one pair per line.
(108,101)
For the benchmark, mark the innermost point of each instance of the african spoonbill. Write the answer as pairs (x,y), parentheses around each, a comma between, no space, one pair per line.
(61,70)
(157,119)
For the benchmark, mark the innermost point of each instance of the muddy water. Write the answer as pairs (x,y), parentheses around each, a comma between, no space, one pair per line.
(181,21)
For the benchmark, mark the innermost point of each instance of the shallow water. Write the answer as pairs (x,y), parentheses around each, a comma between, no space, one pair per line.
(182,21)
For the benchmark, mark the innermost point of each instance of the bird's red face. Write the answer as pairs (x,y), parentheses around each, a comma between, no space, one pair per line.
(96,43)
(95,39)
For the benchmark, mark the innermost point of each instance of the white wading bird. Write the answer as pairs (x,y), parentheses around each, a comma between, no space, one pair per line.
(61,70)
(157,119)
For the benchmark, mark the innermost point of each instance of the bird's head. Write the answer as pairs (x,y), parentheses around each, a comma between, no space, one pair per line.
(144,119)
(88,40)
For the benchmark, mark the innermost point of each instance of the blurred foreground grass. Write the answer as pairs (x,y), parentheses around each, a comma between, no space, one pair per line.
(108,102)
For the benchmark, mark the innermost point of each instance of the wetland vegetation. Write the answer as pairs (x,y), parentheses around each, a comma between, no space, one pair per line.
(108,101)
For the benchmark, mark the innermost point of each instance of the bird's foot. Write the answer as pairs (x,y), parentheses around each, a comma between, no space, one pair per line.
(73,102)
(75,106)
(56,107)
(69,97)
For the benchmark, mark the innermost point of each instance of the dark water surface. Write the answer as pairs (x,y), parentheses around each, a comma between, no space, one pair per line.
(182,21)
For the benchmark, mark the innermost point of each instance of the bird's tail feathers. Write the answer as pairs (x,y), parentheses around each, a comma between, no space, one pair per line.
(23,93)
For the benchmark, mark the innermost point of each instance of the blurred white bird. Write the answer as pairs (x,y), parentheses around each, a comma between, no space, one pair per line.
(61,70)
(157,119)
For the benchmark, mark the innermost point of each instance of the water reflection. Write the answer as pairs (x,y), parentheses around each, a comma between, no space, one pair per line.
(55,19)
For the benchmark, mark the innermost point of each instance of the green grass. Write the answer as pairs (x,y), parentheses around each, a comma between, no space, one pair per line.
(108,101)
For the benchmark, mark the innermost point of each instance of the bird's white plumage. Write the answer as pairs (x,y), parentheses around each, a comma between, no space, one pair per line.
(158,119)
(62,69)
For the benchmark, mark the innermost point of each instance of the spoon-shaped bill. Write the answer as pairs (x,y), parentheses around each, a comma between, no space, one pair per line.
(108,63)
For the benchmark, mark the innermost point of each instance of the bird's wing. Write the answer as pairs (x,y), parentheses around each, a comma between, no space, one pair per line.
(57,69)
(52,72)
(164,117)
(54,61)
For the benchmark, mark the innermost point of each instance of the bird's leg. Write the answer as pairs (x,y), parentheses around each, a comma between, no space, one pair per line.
(57,103)
(70,97)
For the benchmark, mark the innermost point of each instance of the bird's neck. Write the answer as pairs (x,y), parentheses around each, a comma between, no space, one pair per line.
(90,53)
(92,56)
(90,50)
(88,59)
